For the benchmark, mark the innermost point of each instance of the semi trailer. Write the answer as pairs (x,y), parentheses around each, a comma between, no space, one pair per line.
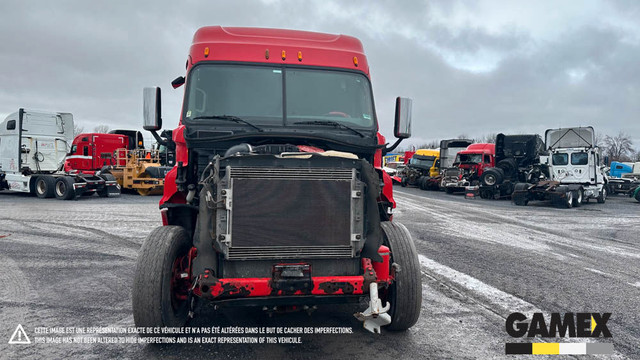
(278,198)
(33,146)
(575,169)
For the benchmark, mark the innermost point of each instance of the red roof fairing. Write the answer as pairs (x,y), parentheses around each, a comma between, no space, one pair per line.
(251,45)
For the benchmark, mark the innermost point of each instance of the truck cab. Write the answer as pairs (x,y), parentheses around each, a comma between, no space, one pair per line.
(422,169)
(468,166)
(278,198)
(92,151)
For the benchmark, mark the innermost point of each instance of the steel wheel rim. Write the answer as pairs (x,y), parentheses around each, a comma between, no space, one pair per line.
(61,188)
(41,187)
(490,179)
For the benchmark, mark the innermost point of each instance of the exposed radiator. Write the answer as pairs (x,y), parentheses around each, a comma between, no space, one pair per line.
(291,213)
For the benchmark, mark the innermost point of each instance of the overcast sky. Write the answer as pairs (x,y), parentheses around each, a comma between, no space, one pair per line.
(471,67)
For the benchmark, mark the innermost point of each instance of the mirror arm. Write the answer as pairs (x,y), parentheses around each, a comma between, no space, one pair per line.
(166,142)
(386,150)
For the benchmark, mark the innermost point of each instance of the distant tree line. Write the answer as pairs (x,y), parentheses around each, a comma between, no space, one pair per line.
(100,129)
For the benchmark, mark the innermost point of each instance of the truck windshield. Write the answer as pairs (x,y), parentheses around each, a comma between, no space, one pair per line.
(560,159)
(425,161)
(580,158)
(469,158)
(256,94)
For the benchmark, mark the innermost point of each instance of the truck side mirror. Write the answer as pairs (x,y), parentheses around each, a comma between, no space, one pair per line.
(606,160)
(402,125)
(152,109)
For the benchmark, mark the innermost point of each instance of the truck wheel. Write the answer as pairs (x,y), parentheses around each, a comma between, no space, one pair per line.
(423,183)
(403,182)
(405,293)
(520,196)
(637,194)
(159,292)
(602,197)
(491,177)
(578,197)
(568,199)
(45,186)
(64,188)
(449,190)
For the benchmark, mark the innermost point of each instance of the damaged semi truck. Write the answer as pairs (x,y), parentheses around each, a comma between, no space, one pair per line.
(278,198)
(575,169)
(517,159)
(422,170)
(469,165)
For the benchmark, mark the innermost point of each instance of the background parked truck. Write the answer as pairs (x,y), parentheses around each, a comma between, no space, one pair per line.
(33,146)
(122,154)
(468,167)
(575,169)
(517,159)
(422,169)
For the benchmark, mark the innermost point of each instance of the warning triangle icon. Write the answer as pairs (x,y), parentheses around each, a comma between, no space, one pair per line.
(19,336)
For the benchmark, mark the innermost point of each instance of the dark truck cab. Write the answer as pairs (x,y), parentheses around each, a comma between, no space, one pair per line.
(278,198)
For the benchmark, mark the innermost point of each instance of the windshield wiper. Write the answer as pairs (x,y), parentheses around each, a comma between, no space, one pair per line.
(228,118)
(330,123)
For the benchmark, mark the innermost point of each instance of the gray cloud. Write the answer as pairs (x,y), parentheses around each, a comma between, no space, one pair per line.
(93,58)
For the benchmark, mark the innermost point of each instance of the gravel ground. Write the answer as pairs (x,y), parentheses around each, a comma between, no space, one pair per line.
(71,264)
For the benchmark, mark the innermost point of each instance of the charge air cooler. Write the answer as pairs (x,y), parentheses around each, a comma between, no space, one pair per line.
(290,213)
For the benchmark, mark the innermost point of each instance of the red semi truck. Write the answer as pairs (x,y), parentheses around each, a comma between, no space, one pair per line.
(469,165)
(91,152)
(278,198)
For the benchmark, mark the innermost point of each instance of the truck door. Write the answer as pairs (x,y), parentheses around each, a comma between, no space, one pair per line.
(9,151)
(87,161)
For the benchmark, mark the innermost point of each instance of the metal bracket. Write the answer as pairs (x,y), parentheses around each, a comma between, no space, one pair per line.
(375,315)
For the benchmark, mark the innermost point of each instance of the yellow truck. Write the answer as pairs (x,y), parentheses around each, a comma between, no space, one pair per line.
(423,170)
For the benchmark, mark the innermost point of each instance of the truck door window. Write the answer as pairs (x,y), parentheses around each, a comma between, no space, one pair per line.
(85,151)
(560,159)
(580,158)
(11,125)
(487,159)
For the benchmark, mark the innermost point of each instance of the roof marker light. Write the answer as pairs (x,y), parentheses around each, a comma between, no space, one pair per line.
(206,51)
(266,54)
(299,55)
(284,55)
(355,61)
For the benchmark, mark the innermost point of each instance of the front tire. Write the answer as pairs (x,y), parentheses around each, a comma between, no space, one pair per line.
(602,197)
(578,197)
(568,199)
(405,293)
(158,300)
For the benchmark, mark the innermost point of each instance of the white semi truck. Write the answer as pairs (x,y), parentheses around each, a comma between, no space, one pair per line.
(575,170)
(33,146)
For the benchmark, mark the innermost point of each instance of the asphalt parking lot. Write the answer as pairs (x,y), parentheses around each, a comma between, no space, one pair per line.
(71,264)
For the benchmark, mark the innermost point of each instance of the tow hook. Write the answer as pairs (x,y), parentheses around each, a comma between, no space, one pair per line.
(375,315)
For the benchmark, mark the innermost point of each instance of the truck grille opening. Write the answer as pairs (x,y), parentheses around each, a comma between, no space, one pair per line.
(292,213)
